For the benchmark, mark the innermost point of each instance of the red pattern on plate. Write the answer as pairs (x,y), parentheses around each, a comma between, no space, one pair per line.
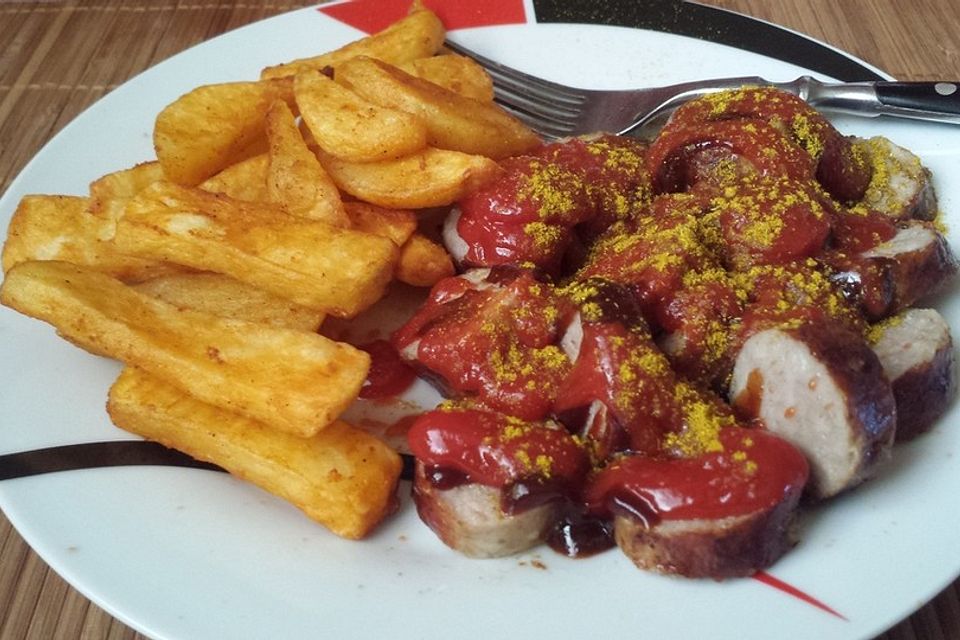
(371,16)
(777,583)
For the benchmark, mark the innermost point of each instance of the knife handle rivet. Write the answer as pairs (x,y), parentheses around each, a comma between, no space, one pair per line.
(945,88)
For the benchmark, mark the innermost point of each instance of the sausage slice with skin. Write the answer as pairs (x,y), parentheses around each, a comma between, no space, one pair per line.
(822,388)
(916,352)
(900,186)
(727,512)
(894,275)
(491,485)
(469,518)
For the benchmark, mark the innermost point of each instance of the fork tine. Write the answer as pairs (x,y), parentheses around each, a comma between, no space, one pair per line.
(520,81)
(534,104)
(548,129)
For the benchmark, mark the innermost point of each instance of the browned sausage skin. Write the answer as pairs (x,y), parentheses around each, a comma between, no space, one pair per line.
(822,388)
(917,354)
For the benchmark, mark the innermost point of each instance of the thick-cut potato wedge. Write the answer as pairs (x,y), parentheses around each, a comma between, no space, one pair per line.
(65,228)
(339,271)
(295,178)
(418,35)
(110,193)
(396,224)
(245,180)
(454,72)
(295,381)
(423,262)
(208,129)
(453,121)
(123,185)
(223,296)
(431,178)
(342,477)
(354,128)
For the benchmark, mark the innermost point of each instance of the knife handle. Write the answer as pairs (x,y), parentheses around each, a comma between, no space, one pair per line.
(941,97)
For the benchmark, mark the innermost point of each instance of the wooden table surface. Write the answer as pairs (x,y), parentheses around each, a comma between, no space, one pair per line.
(56,58)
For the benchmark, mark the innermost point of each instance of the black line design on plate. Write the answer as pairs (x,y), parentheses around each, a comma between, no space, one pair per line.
(120,453)
(707,23)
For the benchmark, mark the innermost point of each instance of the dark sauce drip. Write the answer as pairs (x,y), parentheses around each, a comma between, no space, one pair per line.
(444,478)
(522,495)
(579,535)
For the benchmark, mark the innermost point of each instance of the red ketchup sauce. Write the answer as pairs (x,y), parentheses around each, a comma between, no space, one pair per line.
(547,202)
(531,462)
(676,159)
(755,470)
(389,375)
(496,341)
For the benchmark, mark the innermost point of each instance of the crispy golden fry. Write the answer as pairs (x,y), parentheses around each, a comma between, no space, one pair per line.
(295,381)
(453,121)
(123,185)
(223,296)
(351,127)
(396,224)
(295,178)
(110,193)
(418,35)
(65,228)
(341,477)
(208,129)
(245,180)
(431,178)
(454,72)
(423,262)
(339,271)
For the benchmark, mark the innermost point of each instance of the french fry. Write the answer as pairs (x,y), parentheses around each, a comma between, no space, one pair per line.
(296,381)
(354,128)
(423,262)
(396,224)
(418,35)
(124,184)
(341,477)
(454,72)
(452,121)
(431,178)
(244,180)
(206,130)
(65,228)
(339,271)
(295,178)
(223,296)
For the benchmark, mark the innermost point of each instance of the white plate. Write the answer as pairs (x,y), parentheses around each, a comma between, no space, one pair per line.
(180,553)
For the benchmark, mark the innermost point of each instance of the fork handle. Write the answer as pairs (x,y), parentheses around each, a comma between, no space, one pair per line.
(933,101)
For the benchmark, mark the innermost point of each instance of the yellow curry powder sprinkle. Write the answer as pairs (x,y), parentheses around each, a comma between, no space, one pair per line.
(543,235)
(875,331)
(552,189)
(701,424)
(889,173)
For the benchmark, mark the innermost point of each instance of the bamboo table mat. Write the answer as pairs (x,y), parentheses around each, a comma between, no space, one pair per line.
(57,58)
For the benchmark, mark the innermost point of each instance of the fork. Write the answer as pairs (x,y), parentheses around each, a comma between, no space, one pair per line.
(556,111)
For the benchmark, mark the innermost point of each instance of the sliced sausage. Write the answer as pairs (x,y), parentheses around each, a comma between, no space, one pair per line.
(822,388)
(469,518)
(724,513)
(897,273)
(916,352)
(900,185)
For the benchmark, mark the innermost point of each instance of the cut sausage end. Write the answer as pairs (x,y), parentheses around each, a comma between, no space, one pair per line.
(822,389)
(469,519)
